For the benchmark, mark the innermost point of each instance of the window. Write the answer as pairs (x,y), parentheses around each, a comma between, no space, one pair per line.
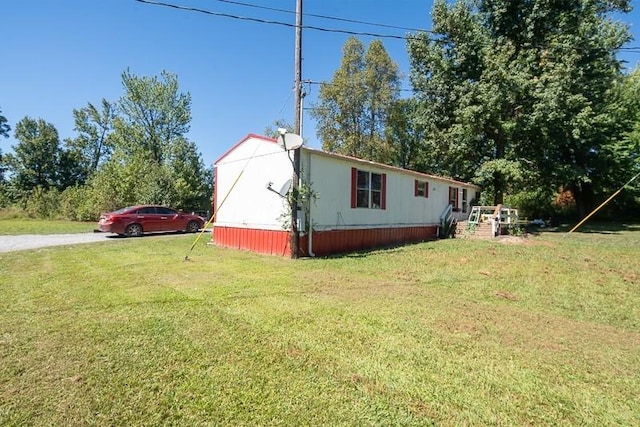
(368,189)
(421,189)
(148,210)
(166,211)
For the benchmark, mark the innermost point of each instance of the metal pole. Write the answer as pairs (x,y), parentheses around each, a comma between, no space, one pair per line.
(296,125)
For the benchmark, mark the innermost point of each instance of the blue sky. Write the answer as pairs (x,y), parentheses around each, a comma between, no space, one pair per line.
(58,55)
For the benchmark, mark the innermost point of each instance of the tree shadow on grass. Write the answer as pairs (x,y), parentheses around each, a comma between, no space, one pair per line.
(596,227)
(364,253)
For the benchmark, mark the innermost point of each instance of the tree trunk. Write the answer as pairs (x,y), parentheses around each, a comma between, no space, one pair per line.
(583,195)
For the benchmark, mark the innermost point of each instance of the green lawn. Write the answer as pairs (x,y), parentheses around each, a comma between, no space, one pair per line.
(453,332)
(21,225)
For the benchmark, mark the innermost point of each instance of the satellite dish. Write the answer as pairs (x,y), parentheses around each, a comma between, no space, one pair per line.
(289,141)
(284,190)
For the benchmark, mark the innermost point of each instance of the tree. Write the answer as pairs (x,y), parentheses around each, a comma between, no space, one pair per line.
(4,131)
(470,88)
(515,86)
(94,127)
(192,182)
(154,115)
(272,130)
(4,127)
(382,83)
(619,156)
(354,106)
(405,135)
(148,141)
(575,77)
(34,162)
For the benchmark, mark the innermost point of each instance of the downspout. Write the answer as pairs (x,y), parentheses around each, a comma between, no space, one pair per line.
(310,219)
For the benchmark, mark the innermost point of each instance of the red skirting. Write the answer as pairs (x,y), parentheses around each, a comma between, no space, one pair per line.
(271,242)
(324,242)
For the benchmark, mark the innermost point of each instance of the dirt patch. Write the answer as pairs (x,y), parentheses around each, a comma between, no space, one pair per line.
(513,240)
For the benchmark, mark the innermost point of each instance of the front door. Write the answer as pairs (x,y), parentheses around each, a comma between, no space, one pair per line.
(453,197)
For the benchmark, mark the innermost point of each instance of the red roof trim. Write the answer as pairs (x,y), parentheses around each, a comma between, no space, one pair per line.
(387,167)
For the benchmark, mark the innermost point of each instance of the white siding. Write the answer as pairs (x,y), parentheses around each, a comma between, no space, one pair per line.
(259,161)
(249,204)
(330,178)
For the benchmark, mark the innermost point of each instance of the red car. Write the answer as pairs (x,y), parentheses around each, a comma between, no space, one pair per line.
(136,220)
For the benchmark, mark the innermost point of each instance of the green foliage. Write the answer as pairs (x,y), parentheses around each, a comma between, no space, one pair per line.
(130,152)
(42,203)
(82,203)
(534,203)
(34,162)
(354,106)
(94,128)
(191,180)
(519,81)
(4,131)
(4,127)
(272,130)
(405,135)
(154,115)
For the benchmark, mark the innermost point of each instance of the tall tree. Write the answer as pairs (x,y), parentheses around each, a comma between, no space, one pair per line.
(4,131)
(470,88)
(382,83)
(405,135)
(575,75)
(34,162)
(94,127)
(148,140)
(272,129)
(4,127)
(191,180)
(154,114)
(619,156)
(511,86)
(354,106)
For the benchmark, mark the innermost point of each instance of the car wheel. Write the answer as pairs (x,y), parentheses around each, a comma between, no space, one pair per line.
(193,227)
(133,230)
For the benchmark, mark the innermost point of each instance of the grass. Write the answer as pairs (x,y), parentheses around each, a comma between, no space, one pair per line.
(14,223)
(453,332)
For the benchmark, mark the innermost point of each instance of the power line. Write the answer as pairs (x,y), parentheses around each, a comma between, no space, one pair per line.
(333,18)
(266,21)
(634,49)
(313,82)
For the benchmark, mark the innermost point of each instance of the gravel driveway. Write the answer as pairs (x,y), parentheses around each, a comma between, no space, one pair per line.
(34,241)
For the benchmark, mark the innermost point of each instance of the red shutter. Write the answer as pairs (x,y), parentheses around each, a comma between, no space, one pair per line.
(383,202)
(415,188)
(354,187)
(426,189)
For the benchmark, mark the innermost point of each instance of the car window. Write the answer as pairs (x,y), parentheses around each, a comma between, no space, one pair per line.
(148,210)
(123,210)
(166,211)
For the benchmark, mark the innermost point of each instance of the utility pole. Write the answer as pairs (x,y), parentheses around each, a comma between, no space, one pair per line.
(297,125)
